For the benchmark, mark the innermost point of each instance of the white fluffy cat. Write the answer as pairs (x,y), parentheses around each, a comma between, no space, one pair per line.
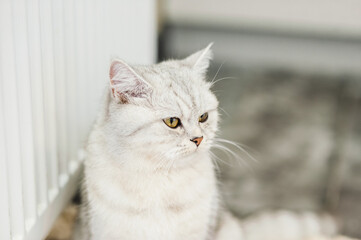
(148,172)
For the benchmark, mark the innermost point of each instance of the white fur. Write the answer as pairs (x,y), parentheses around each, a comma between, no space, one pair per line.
(144,180)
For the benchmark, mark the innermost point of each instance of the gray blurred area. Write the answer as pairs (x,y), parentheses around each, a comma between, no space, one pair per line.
(304,134)
(299,122)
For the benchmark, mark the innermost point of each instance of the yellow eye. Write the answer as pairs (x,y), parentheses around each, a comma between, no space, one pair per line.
(203,117)
(172,122)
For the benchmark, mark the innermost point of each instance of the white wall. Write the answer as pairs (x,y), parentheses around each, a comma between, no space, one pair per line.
(303,35)
(54,60)
(315,16)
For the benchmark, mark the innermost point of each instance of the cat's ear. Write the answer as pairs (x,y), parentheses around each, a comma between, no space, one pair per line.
(199,61)
(126,84)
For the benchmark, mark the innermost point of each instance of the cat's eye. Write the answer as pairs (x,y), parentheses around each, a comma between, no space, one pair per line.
(203,117)
(172,122)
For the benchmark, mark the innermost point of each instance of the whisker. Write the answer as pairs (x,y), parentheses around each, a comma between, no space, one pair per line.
(221,79)
(217,158)
(227,114)
(170,166)
(238,146)
(166,162)
(217,72)
(214,159)
(230,154)
(219,143)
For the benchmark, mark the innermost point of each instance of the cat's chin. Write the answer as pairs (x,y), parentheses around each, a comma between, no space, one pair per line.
(188,158)
(193,152)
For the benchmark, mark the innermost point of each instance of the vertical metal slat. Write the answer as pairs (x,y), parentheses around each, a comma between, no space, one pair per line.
(4,200)
(11,119)
(25,114)
(33,25)
(49,96)
(72,81)
(60,86)
(81,69)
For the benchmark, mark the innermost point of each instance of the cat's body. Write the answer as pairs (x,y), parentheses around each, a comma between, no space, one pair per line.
(144,179)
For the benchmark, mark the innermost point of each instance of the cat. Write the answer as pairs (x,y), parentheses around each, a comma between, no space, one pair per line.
(149,172)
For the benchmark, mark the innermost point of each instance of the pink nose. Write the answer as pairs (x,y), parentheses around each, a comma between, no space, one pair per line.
(197,140)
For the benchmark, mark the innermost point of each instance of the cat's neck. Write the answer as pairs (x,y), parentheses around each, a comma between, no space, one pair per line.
(146,182)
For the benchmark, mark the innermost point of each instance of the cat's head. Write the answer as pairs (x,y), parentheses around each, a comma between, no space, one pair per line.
(166,111)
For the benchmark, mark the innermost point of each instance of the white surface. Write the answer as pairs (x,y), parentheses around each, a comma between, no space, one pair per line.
(47,57)
(54,60)
(263,50)
(61,93)
(318,16)
(11,121)
(70,75)
(4,200)
(24,108)
(35,66)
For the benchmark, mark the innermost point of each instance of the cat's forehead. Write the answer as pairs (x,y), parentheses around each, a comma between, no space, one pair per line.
(178,89)
(166,73)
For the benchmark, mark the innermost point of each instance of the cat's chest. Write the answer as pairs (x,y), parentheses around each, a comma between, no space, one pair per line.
(158,206)
(174,191)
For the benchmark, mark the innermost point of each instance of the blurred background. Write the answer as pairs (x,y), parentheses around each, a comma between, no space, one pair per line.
(288,79)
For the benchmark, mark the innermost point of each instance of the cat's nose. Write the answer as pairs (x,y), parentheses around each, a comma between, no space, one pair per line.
(197,140)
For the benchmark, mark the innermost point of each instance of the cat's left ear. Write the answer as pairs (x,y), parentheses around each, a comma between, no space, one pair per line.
(126,84)
(199,61)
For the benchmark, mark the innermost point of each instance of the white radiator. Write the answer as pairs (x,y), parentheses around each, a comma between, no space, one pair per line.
(54,60)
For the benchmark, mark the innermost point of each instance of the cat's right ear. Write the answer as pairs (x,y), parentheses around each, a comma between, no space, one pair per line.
(126,84)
